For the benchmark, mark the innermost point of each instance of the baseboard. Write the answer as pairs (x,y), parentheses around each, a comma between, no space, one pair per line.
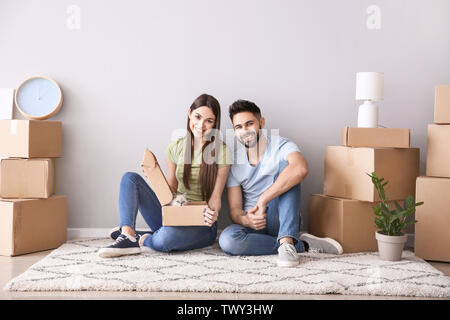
(75,233)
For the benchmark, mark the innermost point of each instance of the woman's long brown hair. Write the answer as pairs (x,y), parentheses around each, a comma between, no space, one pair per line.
(208,171)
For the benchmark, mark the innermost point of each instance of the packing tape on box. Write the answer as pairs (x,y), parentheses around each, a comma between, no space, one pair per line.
(13,127)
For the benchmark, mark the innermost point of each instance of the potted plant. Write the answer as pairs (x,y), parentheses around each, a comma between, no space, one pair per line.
(391,221)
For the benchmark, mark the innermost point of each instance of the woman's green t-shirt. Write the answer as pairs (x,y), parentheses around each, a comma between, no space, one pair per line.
(175,153)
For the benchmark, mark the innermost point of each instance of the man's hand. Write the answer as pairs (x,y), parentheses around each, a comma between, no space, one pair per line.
(256,222)
(257,215)
(259,209)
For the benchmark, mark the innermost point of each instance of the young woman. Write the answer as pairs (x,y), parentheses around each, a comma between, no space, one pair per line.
(198,165)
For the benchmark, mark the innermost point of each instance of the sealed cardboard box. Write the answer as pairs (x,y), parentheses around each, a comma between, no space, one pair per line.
(30,138)
(432,231)
(27,178)
(438,151)
(375,137)
(349,222)
(29,225)
(346,171)
(442,104)
(188,215)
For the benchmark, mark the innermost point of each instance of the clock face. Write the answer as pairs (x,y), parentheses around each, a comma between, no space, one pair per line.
(38,98)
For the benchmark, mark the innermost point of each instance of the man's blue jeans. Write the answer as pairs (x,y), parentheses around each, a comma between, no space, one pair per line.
(283,219)
(135,194)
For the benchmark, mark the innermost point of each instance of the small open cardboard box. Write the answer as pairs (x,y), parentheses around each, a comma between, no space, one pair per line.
(187,215)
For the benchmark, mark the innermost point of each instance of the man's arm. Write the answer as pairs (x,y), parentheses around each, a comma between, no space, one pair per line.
(293,174)
(234,196)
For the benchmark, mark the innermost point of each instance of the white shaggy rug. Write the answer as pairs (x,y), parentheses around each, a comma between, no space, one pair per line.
(76,266)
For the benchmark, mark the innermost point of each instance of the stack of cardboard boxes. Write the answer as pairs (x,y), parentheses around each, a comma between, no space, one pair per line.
(32,217)
(432,236)
(344,210)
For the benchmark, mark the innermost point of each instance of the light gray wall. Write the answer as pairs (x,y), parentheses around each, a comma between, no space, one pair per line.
(130,73)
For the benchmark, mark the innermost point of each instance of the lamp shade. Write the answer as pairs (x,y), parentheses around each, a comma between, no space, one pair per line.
(369,86)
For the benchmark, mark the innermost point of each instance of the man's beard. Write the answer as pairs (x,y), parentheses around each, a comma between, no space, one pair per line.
(251,143)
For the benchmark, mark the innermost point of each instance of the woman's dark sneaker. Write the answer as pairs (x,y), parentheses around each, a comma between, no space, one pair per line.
(124,245)
(115,232)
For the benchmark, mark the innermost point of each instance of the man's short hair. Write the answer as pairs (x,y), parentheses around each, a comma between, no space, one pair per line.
(244,106)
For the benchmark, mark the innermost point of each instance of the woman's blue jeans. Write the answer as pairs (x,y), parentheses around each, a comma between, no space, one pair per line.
(136,195)
(283,219)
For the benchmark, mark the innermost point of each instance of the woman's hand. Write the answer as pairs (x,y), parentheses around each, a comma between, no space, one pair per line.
(215,203)
(211,213)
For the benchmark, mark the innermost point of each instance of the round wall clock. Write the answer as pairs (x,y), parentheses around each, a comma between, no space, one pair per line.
(38,98)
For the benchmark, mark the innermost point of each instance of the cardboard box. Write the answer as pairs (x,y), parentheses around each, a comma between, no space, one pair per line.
(188,215)
(442,104)
(29,225)
(30,138)
(438,151)
(432,234)
(375,137)
(346,171)
(349,222)
(27,178)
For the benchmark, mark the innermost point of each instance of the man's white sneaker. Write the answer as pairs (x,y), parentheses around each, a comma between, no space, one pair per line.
(321,245)
(287,255)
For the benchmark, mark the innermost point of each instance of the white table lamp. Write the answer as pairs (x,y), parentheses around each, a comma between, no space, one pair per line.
(370,88)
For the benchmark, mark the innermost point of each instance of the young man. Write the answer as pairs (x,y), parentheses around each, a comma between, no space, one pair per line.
(263,190)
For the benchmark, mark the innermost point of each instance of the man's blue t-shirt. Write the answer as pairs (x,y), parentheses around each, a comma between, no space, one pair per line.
(255,180)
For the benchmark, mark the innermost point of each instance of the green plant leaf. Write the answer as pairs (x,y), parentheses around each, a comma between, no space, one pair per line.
(379,224)
(391,221)
(409,201)
(397,205)
(411,222)
(377,211)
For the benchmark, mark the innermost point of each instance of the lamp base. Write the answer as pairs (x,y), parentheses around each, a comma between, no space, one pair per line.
(368,115)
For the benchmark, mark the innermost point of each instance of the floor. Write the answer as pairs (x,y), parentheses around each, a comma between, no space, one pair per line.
(11,267)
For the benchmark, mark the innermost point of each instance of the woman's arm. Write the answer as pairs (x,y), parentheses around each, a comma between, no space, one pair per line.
(171,177)
(215,201)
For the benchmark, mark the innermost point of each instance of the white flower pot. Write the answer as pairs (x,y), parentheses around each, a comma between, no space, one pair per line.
(390,248)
